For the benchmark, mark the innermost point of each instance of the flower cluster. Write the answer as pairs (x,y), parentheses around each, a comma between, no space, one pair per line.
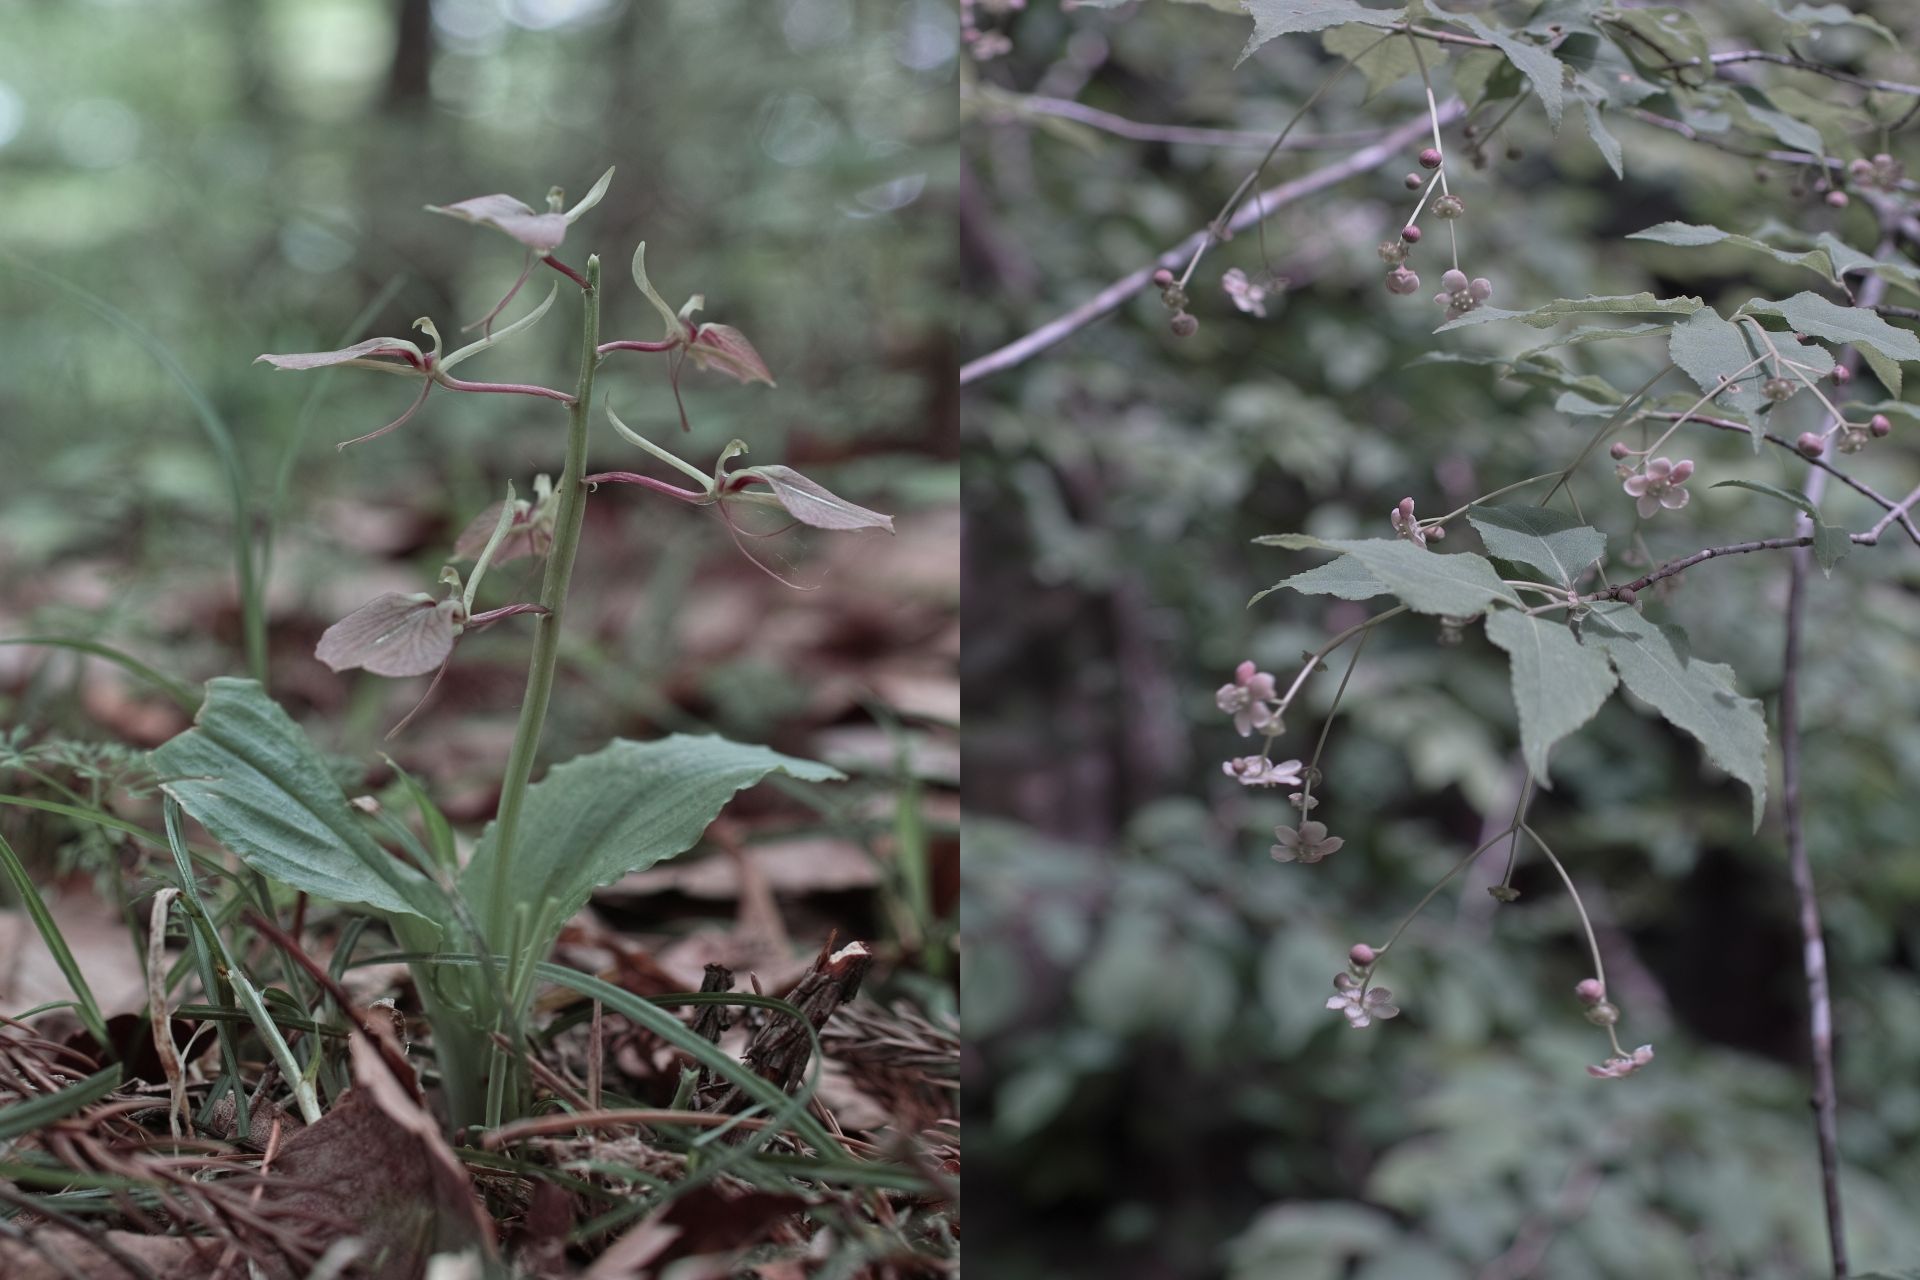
(1881,173)
(1661,484)
(1622,1065)
(1460,295)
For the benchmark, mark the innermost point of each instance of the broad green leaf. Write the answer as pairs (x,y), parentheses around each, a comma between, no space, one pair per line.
(1802,18)
(1789,129)
(1695,696)
(1688,235)
(1709,348)
(1535,62)
(1345,577)
(1812,314)
(1384,64)
(1552,542)
(1586,333)
(1884,368)
(620,809)
(1548,313)
(1459,585)
(1558,683)
(252,778)
(1609,146)
(1273,18)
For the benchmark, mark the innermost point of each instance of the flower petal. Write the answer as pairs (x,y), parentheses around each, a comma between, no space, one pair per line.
(1635,484)
(393,635)
(813,504)
(1675,498)
(541,232)
(397,348)
(1646,504)
(723,347)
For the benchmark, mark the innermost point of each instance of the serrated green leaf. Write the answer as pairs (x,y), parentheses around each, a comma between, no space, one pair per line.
(1695,696)
(1552,542)
(1789,129)
(622,808)
(1345,577)
(1549,313)
(1812,314)
(1273,18)
(1885,369)
(1558,683)
(1383,63)
(252,778)
(1459,585)
(1603,140)
(1536,62)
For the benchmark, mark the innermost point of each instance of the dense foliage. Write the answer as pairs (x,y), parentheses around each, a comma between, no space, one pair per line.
(1153,1063)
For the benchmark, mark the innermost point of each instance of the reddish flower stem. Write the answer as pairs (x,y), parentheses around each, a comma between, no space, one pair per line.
(658,486)
(567,271)
(505,388)
(492,616)
(637,346)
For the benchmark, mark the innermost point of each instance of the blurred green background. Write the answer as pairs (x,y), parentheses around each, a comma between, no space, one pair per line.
(239,177)
(1154,1089)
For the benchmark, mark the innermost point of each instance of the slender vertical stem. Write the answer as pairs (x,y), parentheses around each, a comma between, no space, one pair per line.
(553,598)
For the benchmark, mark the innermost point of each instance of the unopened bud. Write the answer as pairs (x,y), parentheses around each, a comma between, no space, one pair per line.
(1430,158)
(1410,233)
(1811,443)
(1838,199)
(1435,532)
(1842,375)
(1618,450)
(1362,955)
(1880,425)
(1414,181)
(1590,991)
(1183,325)
(1162,278)
(1627,595)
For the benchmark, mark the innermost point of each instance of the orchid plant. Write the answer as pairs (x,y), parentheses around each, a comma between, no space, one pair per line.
(477,931)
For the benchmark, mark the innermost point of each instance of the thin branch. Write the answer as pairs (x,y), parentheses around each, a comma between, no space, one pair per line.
(1672,567)
(1897,512)
(1110,298)
(1800,64)
(1014,107)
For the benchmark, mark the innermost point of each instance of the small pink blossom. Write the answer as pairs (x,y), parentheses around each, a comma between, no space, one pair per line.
(1309,843)
(1408,526)
(1246,699)
(1360,1005)
(1615,1068)
(1460,295)
(1662,484)
(1258,771)
(1244,293)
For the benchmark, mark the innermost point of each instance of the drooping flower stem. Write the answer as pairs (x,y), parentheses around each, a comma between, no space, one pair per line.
(553,598)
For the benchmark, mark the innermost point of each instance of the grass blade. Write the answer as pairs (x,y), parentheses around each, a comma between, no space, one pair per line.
(175,689)
(56,943)
(24,1117)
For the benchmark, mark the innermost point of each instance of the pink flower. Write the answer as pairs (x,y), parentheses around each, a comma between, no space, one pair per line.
(1408,526)
(1258,771)
(1246,699)
(1309,843)
(1360,1005)
(1244,293)
(1615,1068)
(1660,485)
(1460,295)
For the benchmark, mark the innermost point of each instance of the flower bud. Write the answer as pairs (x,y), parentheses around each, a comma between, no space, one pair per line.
(1880,425)
(1410,233)
(1604,1013)
(1402,281)
(1430,158)
(1162,278)
(1618,450)
(1811,443)
(1841,375)
(1362,955)
(1183,325)
(1435,532)
(1590,991)
(1414,181)
(1837,199)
